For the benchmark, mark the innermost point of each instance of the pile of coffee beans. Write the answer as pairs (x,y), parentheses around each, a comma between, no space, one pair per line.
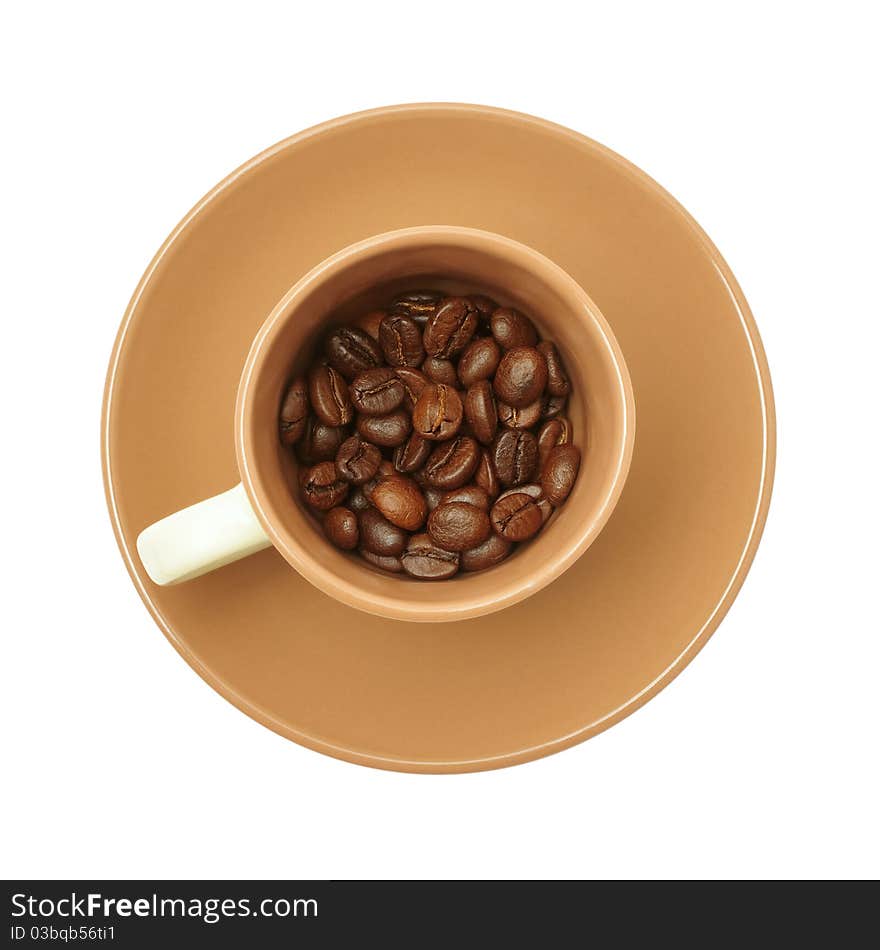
(431,435)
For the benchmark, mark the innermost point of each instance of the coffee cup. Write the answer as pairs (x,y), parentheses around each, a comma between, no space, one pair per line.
(265,509)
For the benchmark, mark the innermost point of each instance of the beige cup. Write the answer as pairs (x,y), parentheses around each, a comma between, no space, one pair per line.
(265,508)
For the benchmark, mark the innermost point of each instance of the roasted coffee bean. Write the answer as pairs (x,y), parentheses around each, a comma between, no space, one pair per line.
(401,500)
(486,306)
(457,526)
(414,381)
(491,552)
(433,497)
(379,536)
(401,341)
(320,442)
(554,432)
(350,351)
(357,500)
(341,528)
(428,561)
(413,454)
(527,417)
(479,361)
(536,493)
(553,405)
(419,305)
(486,477)
(357,461)
(481,412)
(323,488)
(511,328)
(391,564)
(453,463)
(377,391)
(294,411)
(386,469)
(388,431)
(370,322)
(558,383)
(438,412)
(516,517)
(470,495)
(440,371)
(450,327)
(514,454)
(328,394)
(560,472)
(521,376)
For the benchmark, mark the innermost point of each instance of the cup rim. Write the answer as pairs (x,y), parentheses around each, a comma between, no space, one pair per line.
(295,551)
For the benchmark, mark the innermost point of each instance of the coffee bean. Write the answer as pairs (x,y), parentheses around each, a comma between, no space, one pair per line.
(413,454)
(479,361)
(391,564)
(512,418)
(514,454)
(516,517)
(400,499)
(341,528)
(536,493)
(558,383)
(323,488)
(560,472)
(294,411)
(386,470)
(457,526)
(440,371)
(357,500)
(320,442)
(453,463)
(470,495)
(379,536)
(481,412)
(521,376)
(418,305)
(450,327)
(438,412)
(511,328)
(414,382)
(486,306)
(370,322)
(554,432)
(401,341)
(428,561)
(329,396)
(491,552)
(388,431)
(357,461)
(553,405)
(486,477)
(350,351)
(377,391)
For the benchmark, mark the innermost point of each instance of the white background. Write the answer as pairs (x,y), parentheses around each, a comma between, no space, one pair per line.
(760,760)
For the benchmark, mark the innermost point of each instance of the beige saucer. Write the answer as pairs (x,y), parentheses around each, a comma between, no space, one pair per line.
(634,609)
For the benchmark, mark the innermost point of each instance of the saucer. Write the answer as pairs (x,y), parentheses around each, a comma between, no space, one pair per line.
(597,643)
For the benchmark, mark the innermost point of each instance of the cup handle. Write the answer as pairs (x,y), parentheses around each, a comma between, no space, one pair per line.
(201,538)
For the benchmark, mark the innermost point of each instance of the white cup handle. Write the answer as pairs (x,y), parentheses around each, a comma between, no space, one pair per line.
(201,538)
